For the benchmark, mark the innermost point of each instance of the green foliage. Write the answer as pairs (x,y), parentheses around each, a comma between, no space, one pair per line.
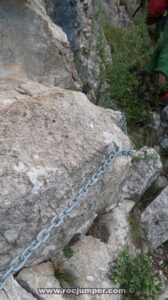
(65,276)
(136,273)
(68,251)
(130,55)
(141,136)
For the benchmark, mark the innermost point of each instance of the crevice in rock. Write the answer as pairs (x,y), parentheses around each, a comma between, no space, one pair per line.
(99,230)
(5,293)
(64,14)
(28,289)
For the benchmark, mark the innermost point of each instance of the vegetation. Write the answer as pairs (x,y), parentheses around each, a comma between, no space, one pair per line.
(136,274)
(124,77)
(63,275)
(68,251)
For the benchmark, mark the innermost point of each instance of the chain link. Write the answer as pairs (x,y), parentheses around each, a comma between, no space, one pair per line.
(19,262)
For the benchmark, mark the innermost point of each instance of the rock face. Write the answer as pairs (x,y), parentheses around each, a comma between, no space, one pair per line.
(39,277)
(32,46)
(90,264)
(50,146)
(154,220)
(114,229)
(13,291)
(146,168)
(82,22)
(164,296)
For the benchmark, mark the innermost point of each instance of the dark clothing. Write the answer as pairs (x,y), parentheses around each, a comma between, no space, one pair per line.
(159,58)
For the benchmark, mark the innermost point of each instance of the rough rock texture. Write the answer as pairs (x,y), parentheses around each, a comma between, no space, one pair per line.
(32,46)
(164,296)
(114,229)
(50,145)
(90,264)
(14,291)
(161,183)
(81,20)
(146,168)
(154,220)
(40,276)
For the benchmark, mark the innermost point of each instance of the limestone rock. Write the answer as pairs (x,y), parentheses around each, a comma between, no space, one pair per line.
(114,229)
(50,146)
(146,168)
(32,46)
(39,277)
(90,264)
(164,296)
(13,291)
(154,220)
(81,20)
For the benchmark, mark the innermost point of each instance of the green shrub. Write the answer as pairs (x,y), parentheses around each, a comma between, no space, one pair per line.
(65,276)
(68,251)
(138,274)
(130,55)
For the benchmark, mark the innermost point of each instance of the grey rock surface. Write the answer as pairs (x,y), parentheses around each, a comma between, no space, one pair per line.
(90,264)
(50,145)
(14,291)
(154,220)
(82,22)
(164,296)
(116,227)
(32,46)
(146,168)
(39,277)
(161,183)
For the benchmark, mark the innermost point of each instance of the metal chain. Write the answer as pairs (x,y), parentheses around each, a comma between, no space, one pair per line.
(19,262)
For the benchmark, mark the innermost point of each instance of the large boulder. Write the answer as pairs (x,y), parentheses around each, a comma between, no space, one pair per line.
(50,145)
(154,220)
(32,46)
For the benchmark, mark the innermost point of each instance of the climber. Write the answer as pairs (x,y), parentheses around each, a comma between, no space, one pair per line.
(157,13)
